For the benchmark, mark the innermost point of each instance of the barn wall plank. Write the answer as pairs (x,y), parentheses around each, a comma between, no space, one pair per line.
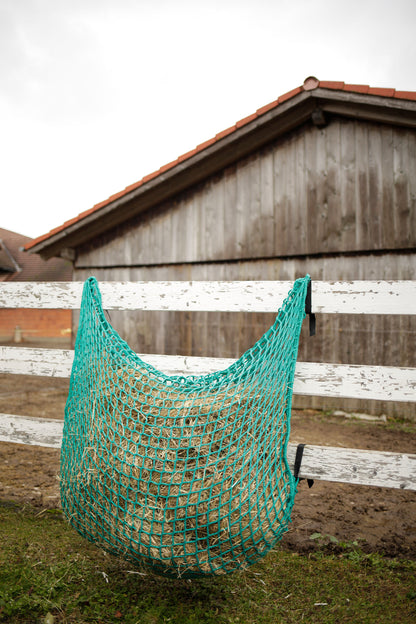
(388,216)
(375,187)
(266,211)
(332,232)
(347,186)
(401,188)
(412,188)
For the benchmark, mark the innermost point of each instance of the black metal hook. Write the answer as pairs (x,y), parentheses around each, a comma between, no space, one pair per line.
(308,310)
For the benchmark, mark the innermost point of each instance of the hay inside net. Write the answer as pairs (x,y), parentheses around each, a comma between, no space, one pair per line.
(187,476)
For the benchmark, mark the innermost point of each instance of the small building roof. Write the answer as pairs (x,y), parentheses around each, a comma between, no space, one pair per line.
(17,266)
(315,99)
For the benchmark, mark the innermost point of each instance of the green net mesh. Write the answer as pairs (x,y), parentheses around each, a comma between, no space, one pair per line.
(186,475)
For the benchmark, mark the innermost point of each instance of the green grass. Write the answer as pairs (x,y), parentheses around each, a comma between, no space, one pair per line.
(50,574)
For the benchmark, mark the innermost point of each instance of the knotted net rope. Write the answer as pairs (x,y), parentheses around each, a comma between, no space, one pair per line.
(185,475)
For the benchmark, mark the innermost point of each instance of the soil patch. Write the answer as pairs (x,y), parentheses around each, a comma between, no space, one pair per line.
(382,520)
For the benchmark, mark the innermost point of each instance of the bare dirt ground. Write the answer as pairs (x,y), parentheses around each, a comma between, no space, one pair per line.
(382,520)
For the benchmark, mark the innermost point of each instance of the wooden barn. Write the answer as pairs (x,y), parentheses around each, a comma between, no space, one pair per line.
(320,181)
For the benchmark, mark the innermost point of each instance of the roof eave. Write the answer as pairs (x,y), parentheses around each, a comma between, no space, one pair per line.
(378,109)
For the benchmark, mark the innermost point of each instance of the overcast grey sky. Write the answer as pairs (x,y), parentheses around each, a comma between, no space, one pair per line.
(95,94)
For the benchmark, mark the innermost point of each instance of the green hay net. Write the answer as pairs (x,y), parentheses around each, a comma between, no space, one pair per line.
(185,475)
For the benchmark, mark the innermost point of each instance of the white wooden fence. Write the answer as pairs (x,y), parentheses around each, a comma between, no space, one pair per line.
(395,469)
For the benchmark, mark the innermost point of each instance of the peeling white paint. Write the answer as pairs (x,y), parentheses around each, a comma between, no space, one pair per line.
(385,383)
(358,297)
(354,466)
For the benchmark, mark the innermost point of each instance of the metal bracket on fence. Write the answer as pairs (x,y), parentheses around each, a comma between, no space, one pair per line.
(298,461)
(308,310)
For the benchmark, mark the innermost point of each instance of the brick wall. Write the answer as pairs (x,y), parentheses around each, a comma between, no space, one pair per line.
(26,325)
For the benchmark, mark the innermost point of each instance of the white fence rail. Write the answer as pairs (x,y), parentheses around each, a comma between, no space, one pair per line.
(387,383)
(320,379)
(358,297)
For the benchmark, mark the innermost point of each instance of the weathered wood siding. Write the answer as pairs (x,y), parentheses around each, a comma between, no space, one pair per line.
(337,202)
(348,187)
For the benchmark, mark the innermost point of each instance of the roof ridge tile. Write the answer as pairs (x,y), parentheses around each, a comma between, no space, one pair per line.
(356,88)
(331,84)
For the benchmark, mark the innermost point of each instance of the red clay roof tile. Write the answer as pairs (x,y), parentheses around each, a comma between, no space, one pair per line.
(205,144)
(56,229)
(39,239)
(85,213)
(246,120)
(115,196)
(70,221)
(226,132)
(330,84)
(289,95)
(187,155)
(405,95)
(382,92)
(167,166)
(310,84)
(266,108)
(132,187)
(356,88)
(150,176)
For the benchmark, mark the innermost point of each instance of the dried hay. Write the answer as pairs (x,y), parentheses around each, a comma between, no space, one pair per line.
(184,481)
